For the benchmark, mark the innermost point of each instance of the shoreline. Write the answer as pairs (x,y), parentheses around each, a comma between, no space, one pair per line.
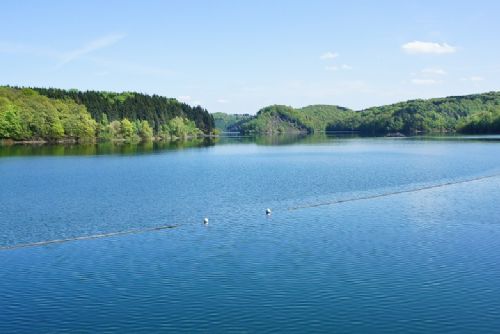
(8,141)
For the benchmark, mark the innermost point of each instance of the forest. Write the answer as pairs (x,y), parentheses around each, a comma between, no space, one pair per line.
(478,113)
(49,114)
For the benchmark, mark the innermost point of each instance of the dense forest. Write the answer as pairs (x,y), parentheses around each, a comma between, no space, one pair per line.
(447,114)
(156,110)
(54,115)
(478,113)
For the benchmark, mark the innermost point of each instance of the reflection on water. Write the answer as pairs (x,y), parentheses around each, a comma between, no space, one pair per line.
(118,148)
(103,148)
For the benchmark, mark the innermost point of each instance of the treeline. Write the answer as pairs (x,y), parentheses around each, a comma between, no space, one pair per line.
(134,131)
(26,115)
(422,116)
(478,113)
(156,110)
(229,123)
(481,122)
(275,119)
(278,119)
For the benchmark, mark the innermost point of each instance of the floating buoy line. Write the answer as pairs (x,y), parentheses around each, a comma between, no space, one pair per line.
(267,212)
(392,193)
(88,237)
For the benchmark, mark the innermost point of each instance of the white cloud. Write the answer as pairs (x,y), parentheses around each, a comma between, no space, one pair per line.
(417,47)
(329,55)
(346,67)
(425,82)
(433,71)
(473,79)
(92,46)
(223,101)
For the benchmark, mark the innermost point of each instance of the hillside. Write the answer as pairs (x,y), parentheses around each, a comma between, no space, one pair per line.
(40,114)
(155,109)
(433,115)
(477,113)
(229,122)
(284,119)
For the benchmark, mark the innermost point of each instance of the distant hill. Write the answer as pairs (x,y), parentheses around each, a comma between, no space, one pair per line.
(284,119)
(229,122)
(477,113)
(454,113)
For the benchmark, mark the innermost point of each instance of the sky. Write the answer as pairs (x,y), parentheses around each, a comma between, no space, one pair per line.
(239,56)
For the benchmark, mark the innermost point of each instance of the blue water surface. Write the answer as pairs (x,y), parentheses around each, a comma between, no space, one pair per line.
(417,261)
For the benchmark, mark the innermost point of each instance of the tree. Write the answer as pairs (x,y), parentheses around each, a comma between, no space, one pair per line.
(145,131)
(127,130)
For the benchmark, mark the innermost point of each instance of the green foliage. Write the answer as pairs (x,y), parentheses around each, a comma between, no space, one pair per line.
(318,117)
(283,119)
(128,131)
(481,122)
(276,119)
(144,130)
(115,130)
(26,115)
(156,110)
(472,113)
(10,122)
(179,127)
(229,123)
(433,115)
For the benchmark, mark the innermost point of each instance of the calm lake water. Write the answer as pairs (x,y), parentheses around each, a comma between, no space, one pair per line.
(416,261)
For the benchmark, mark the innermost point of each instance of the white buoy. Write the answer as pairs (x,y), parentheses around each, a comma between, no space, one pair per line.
(205,221)
(268,212)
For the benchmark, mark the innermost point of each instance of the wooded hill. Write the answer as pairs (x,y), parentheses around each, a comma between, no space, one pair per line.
(478,113)
(55,114)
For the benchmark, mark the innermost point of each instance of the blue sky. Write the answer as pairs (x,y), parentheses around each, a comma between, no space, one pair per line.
(238,56)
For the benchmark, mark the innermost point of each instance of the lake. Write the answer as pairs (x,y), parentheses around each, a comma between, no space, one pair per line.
(366,235)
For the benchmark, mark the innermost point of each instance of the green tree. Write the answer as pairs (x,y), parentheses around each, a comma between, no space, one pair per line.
(128,131)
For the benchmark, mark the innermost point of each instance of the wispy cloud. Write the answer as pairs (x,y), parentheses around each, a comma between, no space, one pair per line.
(433,71)
(418,47)
(90,47)
(473,79)
(329,55)
(425,82)
(63,57)
(222,101)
